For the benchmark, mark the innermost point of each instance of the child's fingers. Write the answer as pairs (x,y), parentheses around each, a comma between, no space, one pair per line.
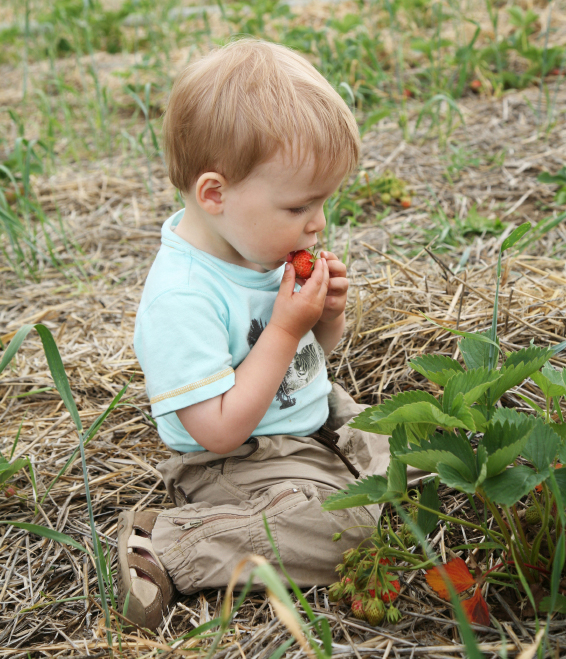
(319,278)
(337,285)
(329,256)
(337,268)
(287,285)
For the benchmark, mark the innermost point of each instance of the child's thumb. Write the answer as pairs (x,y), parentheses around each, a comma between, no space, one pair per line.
(288,280)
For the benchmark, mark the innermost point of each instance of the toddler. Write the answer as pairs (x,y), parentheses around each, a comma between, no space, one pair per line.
(233,346)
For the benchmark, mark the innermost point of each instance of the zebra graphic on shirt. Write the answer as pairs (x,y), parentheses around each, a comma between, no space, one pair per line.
(306,364)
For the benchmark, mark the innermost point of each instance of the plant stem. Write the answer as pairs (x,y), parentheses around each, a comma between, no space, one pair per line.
(518,526)
(454,520)
(505,530)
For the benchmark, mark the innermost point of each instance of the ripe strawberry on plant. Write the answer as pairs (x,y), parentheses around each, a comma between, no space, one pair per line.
(391,595)
(303,262)
(386,594)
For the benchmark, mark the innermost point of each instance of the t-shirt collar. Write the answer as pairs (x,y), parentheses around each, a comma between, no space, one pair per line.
(238,274)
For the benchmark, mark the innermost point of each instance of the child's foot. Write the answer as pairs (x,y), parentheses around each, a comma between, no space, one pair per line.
(140,571)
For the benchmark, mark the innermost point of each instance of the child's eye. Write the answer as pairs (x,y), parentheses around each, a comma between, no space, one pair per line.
(299,211)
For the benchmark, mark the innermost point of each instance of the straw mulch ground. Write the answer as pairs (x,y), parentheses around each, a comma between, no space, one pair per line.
(116,221)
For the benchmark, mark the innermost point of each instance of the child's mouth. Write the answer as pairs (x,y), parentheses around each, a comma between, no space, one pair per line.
(289,257)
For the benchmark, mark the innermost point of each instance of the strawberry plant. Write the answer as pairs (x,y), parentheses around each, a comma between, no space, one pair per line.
(497,456)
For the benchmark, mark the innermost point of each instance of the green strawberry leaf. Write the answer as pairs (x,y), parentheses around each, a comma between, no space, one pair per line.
(550,381)
(472,384)
(363,492)
(429,497)
(436,368)
(364,421)
(513,484)
(396,477)
(542,446)
(560,478)
(398,442)
(475,352)
(518,366)
(479,417)
(559,604)
(375,419)
(424,412)
(500,434)
(453,478)
(513,417)
(448,448)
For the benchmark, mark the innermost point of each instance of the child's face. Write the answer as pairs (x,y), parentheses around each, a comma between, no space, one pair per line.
(276,210)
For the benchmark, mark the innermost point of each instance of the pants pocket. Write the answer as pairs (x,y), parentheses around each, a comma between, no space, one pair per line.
(200,545)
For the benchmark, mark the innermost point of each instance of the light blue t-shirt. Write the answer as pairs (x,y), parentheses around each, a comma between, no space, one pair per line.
(198,319)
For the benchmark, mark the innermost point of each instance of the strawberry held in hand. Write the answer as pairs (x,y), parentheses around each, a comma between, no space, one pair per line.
(303,262)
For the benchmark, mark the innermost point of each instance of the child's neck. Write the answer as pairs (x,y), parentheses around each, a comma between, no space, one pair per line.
(200,233)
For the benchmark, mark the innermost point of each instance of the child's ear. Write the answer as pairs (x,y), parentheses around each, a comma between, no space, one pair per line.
(209,190)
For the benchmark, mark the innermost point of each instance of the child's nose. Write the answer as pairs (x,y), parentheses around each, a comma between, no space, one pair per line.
(317,223)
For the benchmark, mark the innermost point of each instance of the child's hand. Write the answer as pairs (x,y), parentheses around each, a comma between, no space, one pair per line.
(298,312)
(335,302)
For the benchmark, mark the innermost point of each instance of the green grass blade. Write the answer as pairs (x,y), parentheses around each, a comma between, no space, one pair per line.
(322,627)
(95,426)
(282,649)
(14,346)
(17,438)
(58,373)
(45,532)
(519,232)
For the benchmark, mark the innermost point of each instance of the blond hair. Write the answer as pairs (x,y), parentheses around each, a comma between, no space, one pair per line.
(240,104)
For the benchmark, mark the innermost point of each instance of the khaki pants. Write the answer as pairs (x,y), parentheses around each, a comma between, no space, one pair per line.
(221,501)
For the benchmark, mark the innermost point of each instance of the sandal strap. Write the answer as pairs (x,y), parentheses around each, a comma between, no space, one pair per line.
(139,542)
(156,574)
(145,521)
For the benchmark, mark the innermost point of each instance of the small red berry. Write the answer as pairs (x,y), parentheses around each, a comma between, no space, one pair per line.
(406,202)
(407,93)
(303,262)
(10,491)
(475,85)
(391,595)
(358,608)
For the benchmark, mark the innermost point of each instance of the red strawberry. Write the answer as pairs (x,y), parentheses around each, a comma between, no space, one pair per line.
(406,202)
(391,595)
(10,491)
(475,85)
(384,593)
(303,262)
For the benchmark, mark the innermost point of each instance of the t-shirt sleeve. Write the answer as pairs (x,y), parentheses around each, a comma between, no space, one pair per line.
(182,344)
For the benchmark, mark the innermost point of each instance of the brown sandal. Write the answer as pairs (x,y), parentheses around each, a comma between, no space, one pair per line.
(150,588)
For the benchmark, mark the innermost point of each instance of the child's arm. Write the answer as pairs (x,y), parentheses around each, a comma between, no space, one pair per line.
(330,327)
(225,422)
